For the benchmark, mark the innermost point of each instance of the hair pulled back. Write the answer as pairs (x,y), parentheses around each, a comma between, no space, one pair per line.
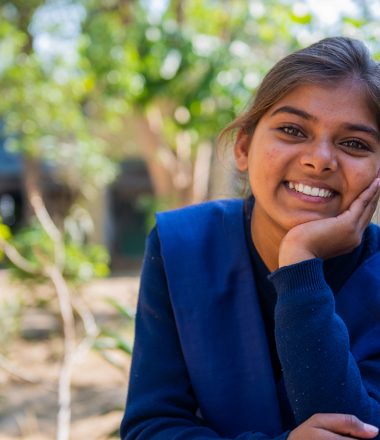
(328,63)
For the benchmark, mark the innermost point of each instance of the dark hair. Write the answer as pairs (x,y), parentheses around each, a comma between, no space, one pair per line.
(327,62)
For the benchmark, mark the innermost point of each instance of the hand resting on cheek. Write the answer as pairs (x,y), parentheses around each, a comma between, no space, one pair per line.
(331,237)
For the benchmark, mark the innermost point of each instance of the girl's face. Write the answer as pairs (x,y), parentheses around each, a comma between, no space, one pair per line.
(314,142)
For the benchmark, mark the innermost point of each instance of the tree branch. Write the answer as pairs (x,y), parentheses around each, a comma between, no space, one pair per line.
(90,326)
(18,260)
(9,366)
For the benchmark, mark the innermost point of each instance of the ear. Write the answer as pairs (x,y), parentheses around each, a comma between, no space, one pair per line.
(241,150)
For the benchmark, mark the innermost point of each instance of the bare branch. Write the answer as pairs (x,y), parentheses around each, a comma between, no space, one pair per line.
(50,228)
(64,396)
(64,412)
(17,259)
(9,366)
(90,326)
(35,199)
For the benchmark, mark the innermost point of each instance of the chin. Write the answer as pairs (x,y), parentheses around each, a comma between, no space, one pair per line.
(299,220)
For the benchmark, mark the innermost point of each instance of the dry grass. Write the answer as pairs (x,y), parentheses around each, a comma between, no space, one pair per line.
(99,389)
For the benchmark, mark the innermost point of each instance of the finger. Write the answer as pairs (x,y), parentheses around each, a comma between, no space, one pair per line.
(370,208)
(345,424)
(364,199)
(359,205)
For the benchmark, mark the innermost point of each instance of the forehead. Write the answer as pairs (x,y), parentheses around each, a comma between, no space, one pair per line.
(345,102)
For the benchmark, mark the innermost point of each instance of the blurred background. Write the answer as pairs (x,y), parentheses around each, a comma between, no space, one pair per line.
(109,112)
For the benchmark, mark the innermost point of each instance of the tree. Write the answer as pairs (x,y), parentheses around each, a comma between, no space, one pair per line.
(181,77)
(80,80)
(43,120)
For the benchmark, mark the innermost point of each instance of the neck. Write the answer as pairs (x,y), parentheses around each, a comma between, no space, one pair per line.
(266,236)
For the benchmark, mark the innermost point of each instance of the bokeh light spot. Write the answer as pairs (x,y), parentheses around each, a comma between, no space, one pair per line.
(182,115)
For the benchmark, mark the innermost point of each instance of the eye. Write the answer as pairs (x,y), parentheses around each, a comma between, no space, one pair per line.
(292,131)
(355,144)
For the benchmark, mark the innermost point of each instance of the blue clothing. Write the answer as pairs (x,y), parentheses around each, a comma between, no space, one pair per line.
(164,393)
(336,272)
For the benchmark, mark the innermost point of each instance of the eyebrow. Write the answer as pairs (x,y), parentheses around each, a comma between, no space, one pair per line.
(295,111)
(346,125)
(360,127)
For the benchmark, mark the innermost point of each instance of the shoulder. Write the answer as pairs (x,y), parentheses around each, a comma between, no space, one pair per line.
(209,219)
(200,236)
(215,206)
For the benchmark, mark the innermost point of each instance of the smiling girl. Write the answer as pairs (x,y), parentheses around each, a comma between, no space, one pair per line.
(260,318)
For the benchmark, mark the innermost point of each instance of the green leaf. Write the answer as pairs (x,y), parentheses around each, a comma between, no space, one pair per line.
(123,310)
(357,22)
(5,231)
(120,342)
(301,20)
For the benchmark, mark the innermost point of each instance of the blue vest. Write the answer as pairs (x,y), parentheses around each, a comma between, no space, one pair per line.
(219,320)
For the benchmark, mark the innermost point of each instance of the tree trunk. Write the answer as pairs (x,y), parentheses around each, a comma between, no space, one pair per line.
(160,160)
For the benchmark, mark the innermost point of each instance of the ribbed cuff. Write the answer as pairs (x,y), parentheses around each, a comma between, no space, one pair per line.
(301,277)
(256,436)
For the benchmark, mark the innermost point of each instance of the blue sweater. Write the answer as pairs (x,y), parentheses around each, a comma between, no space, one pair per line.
(161,404)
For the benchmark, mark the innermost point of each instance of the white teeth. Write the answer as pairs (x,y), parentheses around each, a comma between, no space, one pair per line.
(314,192)
(308,190)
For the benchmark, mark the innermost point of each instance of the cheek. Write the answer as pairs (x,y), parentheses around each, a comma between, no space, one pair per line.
(266,170)
(272,158)
(359,180)
(266,163)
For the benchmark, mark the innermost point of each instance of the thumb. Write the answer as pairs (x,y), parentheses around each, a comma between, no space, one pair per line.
(345,424)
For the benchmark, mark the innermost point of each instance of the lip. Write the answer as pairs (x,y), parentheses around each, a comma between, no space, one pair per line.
(315,184)
(309,199)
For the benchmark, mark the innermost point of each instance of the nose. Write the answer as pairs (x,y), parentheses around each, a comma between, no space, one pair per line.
(319,157)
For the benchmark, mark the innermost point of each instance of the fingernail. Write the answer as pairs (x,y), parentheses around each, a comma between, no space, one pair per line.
(371,429)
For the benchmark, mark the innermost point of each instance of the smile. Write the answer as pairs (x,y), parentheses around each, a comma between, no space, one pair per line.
(309,190)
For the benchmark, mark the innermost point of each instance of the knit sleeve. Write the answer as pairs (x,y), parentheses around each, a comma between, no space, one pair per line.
(161,404)
(321,375)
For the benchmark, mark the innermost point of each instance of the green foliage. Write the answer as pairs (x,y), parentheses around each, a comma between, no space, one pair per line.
(198,64)
(42,106)
(84,261)
(193,67)
(198,72)
(113,340)
(109,340)
(10,313)
(357,22)
(5,231)
(123,310)
(150,204)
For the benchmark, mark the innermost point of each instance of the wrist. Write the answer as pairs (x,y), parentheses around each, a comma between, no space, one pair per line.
(293,254)
(306,276)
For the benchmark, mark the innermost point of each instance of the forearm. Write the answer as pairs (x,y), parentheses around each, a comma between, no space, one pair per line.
(321,375)
(165,428)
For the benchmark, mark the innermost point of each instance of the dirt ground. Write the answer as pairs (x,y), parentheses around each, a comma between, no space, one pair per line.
(28,411)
